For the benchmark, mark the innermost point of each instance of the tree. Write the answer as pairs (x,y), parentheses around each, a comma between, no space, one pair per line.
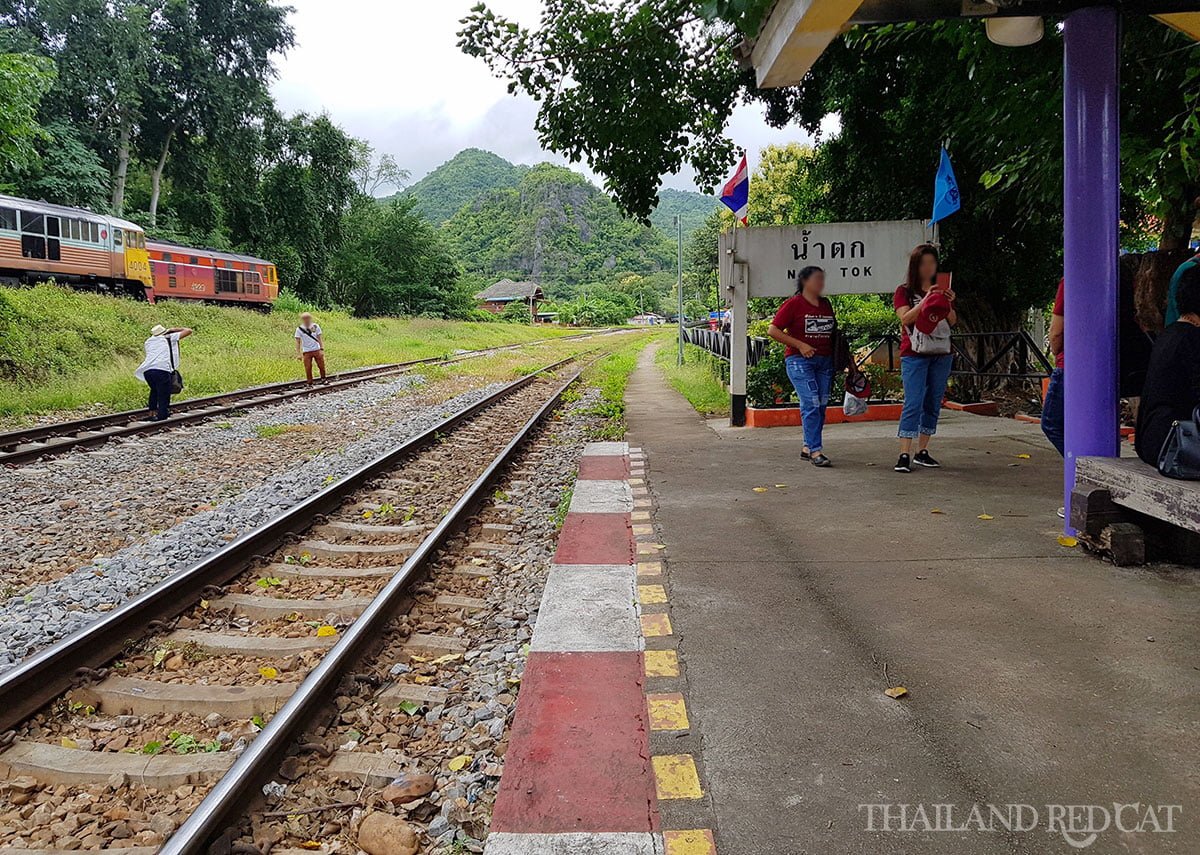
(393,262)
(66,171)
(210,62)
(24,80)
(373,175)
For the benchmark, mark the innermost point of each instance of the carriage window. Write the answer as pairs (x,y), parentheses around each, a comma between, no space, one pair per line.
(167,256)
(172,282)
(194,260)
(72,229)
(33,224)
(52,224)
(171,269)
(118,239)
(95,232)
(8,219)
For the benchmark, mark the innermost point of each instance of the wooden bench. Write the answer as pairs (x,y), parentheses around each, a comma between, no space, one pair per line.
(1116,502)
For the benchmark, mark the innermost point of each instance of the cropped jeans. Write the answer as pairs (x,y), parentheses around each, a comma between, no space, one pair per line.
(812,377)
(925,380)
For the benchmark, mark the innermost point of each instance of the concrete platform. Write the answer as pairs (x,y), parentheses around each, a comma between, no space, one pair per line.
(1037,674)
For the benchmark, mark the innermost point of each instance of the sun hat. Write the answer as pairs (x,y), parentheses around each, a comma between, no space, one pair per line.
(934,310)
(157,329)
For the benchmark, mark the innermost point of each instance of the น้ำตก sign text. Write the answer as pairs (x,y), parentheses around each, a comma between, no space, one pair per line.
(858,258)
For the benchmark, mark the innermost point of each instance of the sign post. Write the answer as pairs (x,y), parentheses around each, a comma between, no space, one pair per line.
(858,258)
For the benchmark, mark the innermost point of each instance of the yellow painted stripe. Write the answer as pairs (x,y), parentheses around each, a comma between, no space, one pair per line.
(662,663)
(640,516)
(656,626)
(643,529)
(696,841)
(649,568)
(650,548)
(667,712)
(675,777)
(649,595)
(637,482)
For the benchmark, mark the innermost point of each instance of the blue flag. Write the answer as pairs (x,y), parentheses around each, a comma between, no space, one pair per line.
(945,191)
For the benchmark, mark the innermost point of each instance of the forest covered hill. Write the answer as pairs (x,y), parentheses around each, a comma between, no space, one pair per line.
(462,179)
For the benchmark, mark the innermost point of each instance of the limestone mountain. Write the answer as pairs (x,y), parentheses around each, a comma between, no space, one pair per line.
(557,228)
(462,179)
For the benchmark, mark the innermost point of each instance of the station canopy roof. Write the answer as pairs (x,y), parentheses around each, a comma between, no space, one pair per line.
(797,32)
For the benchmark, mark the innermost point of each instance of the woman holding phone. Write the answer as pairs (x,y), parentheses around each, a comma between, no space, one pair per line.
(926,314)
(805,325)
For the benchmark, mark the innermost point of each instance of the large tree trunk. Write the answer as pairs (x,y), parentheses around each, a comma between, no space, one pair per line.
(122,171)
(156,175)
(1180,219)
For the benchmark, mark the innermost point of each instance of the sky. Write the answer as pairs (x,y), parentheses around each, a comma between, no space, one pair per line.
(389,72)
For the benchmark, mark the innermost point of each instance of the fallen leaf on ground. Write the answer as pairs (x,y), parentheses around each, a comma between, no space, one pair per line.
(458,763)
(310,844)
(781,486)
(986,517)
(896,692)
(326,631)
(760,489)
(68,742)
(1067,541)
(269,672)
(937,511)
(1023,457)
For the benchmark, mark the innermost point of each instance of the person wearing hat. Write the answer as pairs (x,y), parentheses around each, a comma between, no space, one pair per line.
(162,360)
(926,315)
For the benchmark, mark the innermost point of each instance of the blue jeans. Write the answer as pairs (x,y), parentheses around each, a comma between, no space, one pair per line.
(924,387)
(1053,425)
(159,382)
(812,378)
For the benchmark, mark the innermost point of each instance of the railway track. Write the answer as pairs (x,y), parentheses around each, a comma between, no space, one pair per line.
(204,685)
(37,441)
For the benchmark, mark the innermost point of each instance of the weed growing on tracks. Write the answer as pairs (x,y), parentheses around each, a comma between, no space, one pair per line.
(564,503)
(271,431)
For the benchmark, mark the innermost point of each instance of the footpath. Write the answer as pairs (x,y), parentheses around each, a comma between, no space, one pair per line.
(1036,675)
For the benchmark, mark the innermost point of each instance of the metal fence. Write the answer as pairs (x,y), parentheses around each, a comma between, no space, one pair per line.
(1013,355)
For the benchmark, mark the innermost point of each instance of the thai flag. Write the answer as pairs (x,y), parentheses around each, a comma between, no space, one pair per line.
(736,194)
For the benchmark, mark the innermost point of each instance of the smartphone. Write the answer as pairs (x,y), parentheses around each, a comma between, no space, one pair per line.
(942,282)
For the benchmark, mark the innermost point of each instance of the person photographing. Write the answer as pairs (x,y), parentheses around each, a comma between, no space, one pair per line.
(926,315)
(160,369)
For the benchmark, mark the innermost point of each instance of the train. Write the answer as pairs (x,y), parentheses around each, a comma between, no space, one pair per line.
(97,252)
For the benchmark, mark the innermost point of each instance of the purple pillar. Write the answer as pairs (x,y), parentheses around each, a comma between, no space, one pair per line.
(1091,148)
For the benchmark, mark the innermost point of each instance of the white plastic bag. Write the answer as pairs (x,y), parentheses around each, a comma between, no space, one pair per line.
(854,406)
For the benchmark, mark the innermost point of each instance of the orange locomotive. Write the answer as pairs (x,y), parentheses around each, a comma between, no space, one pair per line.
(184,273)
(39,241)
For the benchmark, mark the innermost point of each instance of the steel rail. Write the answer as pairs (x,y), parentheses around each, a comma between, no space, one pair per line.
(42,677)
(226,802)
(97,430)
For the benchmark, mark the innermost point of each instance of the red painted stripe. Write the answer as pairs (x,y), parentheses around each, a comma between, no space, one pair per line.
(578,757)
(596,539)
(603,467)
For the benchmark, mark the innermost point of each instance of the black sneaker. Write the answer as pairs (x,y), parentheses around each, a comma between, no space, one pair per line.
(903,464)
(924,459)
(821,460)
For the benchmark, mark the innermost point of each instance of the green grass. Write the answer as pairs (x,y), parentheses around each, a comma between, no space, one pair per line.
(269,431)
(696,379)
(610,374)
(63,349)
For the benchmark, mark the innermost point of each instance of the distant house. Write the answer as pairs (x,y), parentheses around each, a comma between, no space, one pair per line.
(649,319)
(498,297)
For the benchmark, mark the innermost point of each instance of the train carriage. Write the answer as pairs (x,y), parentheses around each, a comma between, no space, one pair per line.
(40,241)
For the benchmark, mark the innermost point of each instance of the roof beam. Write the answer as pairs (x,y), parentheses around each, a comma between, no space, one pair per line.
(795,35)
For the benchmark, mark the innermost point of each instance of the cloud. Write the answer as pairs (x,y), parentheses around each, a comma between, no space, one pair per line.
(390,72)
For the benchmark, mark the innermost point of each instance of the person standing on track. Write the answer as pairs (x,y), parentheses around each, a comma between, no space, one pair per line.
(926,315)
(805,324)
(159,366)
(310,346)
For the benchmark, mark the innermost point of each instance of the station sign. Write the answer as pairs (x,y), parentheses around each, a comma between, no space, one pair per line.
(858,258)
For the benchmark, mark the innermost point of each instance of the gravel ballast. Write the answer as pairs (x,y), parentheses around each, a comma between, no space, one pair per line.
(370,419)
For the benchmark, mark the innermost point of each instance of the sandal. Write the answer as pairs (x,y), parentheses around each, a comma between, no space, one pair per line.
(805,455)
(821,460)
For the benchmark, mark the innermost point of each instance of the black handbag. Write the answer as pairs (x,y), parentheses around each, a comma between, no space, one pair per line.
(176,377)
(1180,454)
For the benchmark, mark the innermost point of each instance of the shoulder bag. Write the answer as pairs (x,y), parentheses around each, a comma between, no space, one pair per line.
(1180,454)
(176,377)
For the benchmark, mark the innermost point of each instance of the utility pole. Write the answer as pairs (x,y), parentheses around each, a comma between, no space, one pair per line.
(679,283)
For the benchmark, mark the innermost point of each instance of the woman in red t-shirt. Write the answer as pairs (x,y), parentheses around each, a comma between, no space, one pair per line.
(924,376)
(805,325)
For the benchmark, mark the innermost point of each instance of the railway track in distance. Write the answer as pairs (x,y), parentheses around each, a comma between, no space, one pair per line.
(450,468)
(31,443)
